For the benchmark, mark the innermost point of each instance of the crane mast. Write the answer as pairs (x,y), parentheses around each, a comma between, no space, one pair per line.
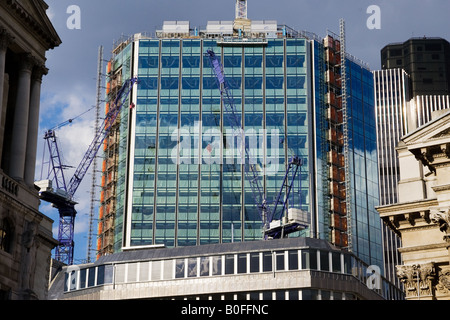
(62,196)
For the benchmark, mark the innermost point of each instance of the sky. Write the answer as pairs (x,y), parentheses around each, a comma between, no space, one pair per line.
(70,88)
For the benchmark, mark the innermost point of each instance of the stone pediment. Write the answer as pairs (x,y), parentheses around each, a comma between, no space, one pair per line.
(32,13)
(434,133)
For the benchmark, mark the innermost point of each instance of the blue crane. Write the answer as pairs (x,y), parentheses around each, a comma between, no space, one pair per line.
(60,194)
(274,227)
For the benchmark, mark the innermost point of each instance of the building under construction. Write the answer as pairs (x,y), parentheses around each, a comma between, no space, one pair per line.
(169,177)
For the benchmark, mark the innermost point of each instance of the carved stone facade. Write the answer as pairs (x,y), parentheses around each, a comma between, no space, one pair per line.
(26,240)
(422,215)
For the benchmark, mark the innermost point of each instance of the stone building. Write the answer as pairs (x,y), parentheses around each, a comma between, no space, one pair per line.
(26,241)
(421,215)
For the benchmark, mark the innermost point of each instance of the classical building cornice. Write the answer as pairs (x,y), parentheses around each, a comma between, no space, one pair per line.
(39,25)
(407,215)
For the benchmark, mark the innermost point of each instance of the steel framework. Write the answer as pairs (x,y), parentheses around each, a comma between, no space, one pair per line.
(63,197)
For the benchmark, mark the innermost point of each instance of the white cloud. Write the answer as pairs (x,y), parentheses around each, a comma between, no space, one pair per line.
(50,13)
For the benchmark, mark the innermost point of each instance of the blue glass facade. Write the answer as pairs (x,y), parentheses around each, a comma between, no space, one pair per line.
(363,165)
(180,181)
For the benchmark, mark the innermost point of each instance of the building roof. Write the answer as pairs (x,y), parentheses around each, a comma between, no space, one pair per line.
(211,249)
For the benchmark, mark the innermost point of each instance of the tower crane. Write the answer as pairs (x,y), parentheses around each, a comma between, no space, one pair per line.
(60,194)
(277,219)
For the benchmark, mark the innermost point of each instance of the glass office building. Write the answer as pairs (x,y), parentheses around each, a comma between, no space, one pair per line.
(179,178)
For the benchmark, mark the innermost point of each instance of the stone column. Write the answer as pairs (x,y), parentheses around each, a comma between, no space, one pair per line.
(5,40)
(33,124)
(20,122)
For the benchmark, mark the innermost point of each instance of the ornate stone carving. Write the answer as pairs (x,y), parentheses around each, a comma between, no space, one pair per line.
(5,39)
(441,217)
(27,62)
(417,278)
(38,72)
(443,284)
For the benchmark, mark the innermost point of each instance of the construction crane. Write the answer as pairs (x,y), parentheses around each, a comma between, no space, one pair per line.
(60,194)
(275,222)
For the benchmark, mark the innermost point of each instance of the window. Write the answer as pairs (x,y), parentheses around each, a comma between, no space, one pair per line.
(229,264)
(91,277)
(100,275)
(216,266)
(179,268)
(267,261)
(5,235)
(336,261)
(242,263)
(83,278)
(309,259)
(254,262)
(324,261)
(279,256)
(192,267)
(293,260)
(204,266)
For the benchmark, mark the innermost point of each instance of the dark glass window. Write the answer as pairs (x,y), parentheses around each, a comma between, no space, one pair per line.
(232,61)
(297,61)
(253,61)
(254,262)
(83,278)
(191,62)
(91,277)
(148,83)
(229,264)
(293,259)
(274,82)
(100,275)
(190,83)
(267,261)
(336,261)
(280,260)
(274,61)
(148,62)
(242,263)
(6,232)
(169,83)
(324,261)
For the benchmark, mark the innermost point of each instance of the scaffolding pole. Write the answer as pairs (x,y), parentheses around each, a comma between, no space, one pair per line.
(94,161)
(346,133)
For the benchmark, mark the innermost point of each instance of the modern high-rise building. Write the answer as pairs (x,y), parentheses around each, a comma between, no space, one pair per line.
(172,172)
(397,114)
(425,60)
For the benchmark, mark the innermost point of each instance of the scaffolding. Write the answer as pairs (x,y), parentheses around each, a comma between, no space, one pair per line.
(336,183)
(345,116)
(107,209)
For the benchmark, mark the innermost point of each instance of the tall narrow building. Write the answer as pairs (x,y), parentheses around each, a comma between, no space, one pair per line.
(179,180)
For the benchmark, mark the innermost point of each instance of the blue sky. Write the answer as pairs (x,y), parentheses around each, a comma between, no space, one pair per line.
(70,87)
